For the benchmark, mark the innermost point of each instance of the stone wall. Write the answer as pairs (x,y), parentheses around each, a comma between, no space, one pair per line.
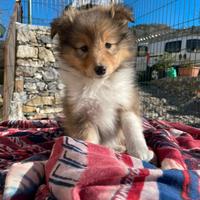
(38,88)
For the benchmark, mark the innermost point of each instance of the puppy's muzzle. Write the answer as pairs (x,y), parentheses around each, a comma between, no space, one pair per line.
(100,70)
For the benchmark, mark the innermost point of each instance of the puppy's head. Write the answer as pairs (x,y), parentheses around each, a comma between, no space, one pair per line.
(96,41)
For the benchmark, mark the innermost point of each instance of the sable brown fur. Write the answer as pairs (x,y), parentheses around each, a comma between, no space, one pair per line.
(84,27)
(100,107)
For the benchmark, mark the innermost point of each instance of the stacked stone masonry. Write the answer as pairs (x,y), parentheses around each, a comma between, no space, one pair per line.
(38,88)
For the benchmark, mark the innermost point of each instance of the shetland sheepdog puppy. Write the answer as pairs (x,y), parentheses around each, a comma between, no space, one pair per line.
(101,103)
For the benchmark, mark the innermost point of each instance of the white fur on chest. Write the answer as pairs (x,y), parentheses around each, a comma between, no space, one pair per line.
(99,99)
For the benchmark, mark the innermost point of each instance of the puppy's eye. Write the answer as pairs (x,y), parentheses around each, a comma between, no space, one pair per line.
(84,48)
(108,45)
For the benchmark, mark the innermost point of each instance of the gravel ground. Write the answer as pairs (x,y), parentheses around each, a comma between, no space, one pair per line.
(161,104)
(165,104)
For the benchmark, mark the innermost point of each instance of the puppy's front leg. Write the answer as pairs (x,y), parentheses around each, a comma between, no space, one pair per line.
(134,138)
(90,133)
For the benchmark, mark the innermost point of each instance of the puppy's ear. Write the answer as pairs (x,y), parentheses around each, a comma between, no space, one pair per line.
(121,13)
(54,27)
(70,13)
(60,24)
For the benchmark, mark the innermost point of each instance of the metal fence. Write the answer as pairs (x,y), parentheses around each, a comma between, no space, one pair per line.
(168,34)
(168,42)
(41,12)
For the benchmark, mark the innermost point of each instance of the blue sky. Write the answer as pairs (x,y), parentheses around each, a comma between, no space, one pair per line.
(6,8)
(176,13)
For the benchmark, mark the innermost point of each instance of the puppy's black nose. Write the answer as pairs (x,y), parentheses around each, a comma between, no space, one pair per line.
(100,70)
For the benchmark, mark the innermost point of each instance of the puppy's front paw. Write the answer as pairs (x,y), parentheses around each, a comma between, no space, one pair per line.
(145,155)
(120,148)
(148,155)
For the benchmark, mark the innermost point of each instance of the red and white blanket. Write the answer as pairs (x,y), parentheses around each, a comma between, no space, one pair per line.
(37,162)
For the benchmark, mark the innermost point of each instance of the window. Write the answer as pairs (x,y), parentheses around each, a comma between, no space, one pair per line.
(173,47)
(142,51)
(193,45)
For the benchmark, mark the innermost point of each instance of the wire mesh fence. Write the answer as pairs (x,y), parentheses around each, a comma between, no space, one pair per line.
(43,11)
(168,44)
(168,34)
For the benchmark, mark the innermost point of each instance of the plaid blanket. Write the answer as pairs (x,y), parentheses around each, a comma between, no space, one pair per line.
(37,162)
